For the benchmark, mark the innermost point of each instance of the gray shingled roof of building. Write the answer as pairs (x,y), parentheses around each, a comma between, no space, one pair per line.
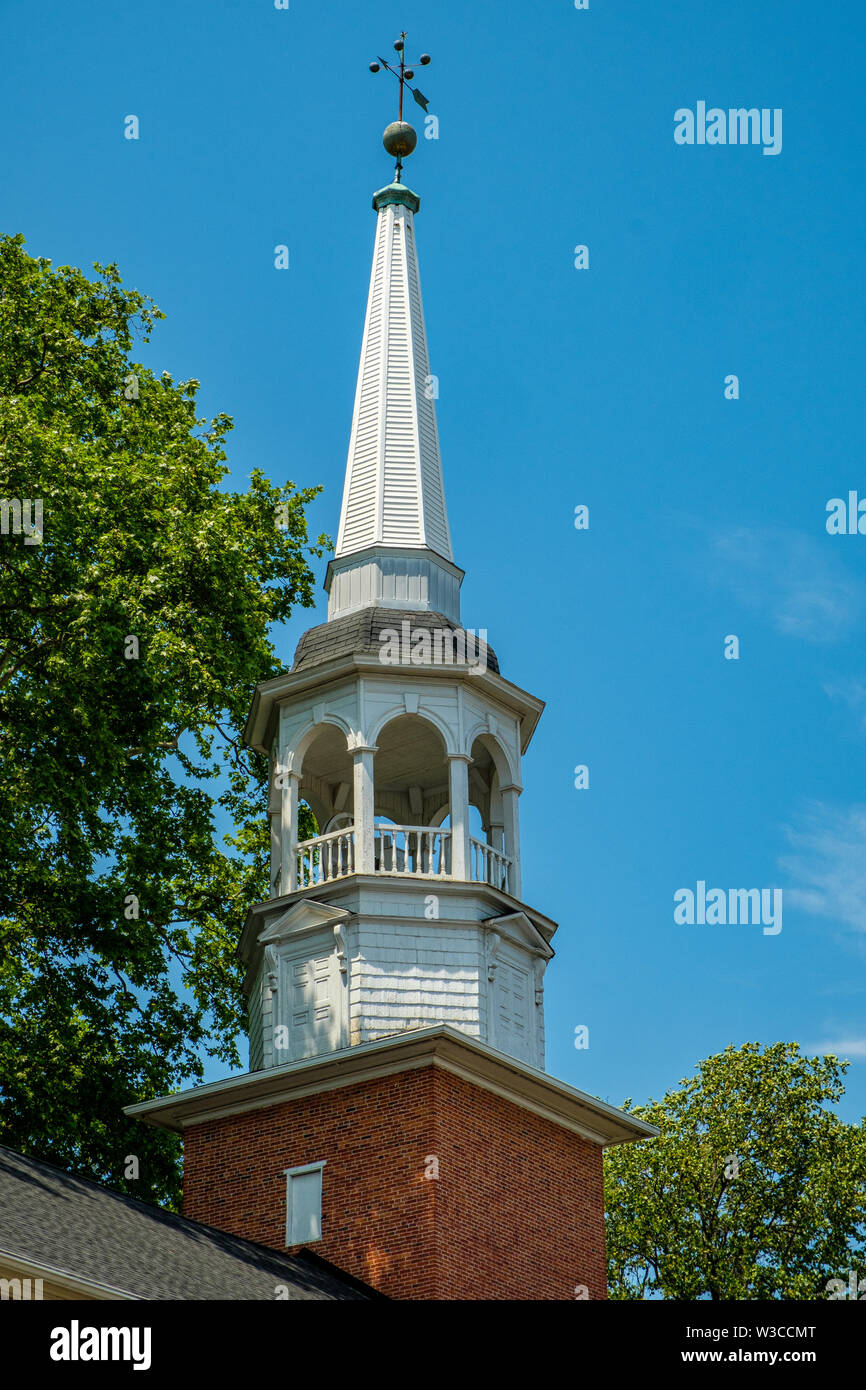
(358,635)
(70,1224)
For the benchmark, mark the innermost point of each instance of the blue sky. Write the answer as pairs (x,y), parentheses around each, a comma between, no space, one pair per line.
(605,387)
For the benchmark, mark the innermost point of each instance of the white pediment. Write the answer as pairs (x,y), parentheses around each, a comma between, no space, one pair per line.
(302,917)
(517,927)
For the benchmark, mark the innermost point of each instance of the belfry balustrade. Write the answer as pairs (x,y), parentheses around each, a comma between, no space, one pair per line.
(417,851)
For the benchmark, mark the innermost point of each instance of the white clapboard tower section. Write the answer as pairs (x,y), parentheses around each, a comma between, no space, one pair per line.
(405,740)
(394,542)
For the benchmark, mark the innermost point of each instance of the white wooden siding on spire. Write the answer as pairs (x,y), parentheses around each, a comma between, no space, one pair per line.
(394,494)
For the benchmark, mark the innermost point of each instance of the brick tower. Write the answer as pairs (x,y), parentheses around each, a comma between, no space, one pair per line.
(396,1117)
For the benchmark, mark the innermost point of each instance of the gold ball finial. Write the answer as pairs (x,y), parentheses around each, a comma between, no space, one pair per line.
(399,139)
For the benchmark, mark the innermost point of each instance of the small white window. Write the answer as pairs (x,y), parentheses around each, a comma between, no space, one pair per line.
(304,1204)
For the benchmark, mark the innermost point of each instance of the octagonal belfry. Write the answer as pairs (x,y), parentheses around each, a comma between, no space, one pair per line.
(397,728)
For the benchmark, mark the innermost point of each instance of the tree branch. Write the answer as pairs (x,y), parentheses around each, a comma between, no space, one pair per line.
(25,381)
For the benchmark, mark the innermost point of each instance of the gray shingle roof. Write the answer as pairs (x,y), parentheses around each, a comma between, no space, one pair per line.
(71,1224)
(358,635)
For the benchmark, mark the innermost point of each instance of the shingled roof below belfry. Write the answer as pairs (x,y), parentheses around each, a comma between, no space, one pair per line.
(358,634)
(71,1226)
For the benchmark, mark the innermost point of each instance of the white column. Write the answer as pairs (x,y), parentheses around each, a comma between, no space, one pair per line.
(512,834)
(275,806)
(364,810)
(496,834)
(289,831)
(458,778)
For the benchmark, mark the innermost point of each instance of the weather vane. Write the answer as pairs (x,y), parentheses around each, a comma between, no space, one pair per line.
(399,138)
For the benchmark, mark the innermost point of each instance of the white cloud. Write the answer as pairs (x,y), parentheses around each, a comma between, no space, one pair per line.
(839,1047)
(827,863)
(803,586)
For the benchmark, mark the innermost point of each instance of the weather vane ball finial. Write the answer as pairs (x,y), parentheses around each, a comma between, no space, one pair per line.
(400,138)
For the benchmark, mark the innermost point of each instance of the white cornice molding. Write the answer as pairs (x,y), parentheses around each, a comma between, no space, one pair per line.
(501,903)
(291,685)
(392,552)
(441,1046)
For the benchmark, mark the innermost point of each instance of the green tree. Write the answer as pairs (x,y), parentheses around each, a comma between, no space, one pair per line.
(132,631)
(754,1188)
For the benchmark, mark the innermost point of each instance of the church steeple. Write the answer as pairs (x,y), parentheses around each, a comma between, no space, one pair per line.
(394,540)
(395,975)
(409,760)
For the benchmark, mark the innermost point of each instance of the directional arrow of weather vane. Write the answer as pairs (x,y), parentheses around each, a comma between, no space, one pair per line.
(404,75)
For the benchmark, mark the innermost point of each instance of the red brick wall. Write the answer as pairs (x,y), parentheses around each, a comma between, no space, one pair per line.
(516,1213)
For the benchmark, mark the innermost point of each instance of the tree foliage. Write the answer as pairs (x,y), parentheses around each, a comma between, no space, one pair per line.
(754,1189)
(118,757)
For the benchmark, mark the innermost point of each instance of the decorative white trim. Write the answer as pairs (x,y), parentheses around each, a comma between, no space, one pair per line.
(293,688)
(382,579)
(504,757)
(359,743)
(521,931)
(524,1085)
(272,966)
(302,738)
(423,712)
(302,917)
(341,948)
(494,941)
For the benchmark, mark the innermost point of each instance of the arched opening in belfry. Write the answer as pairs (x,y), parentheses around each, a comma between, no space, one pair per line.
(493,852)
(410,790)
(326,775)
(325,786)
(411,806)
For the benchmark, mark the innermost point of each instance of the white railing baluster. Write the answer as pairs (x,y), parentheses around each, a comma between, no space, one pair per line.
(489,865)
(418,851)
(326,857)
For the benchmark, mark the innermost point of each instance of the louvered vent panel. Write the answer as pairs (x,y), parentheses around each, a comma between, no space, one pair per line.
(401,520)
(361,482)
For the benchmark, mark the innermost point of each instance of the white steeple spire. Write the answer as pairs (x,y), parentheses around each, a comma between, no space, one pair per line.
(394,494)
(394,542)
